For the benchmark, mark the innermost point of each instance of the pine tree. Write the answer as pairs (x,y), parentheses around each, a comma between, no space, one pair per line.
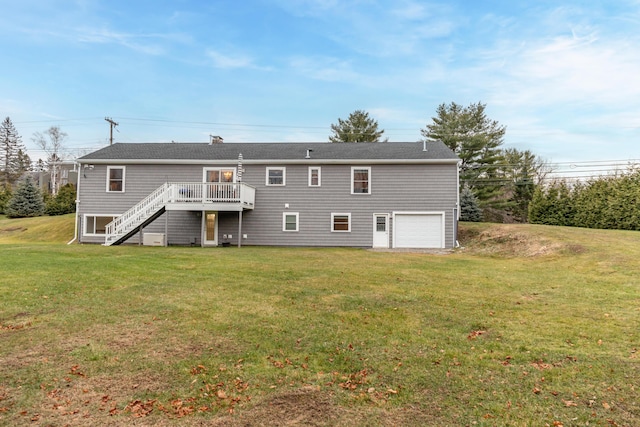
(5,195)
(469,207)
(476,140)
(26,201)
(359,127)
(12,152)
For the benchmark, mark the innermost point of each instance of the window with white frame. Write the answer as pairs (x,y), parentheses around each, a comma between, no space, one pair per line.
(315,179)
(360,180)
(341,222)
(276,176)
(115,179)
(290,221)
(95,225)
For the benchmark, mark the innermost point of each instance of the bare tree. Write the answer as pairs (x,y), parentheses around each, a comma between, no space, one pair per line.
(51,142)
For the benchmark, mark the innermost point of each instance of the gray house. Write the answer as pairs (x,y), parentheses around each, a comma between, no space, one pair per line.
(387,195)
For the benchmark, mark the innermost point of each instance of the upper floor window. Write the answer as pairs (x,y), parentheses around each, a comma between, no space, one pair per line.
(115,178)
(360,180)
(314,176)
(276,176)
(219,175)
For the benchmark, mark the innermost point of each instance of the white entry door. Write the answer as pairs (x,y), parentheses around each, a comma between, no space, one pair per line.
(210,229)
(381,230)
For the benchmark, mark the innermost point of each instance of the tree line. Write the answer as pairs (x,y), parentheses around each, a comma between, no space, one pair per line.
(20,196)
(508,185)
(497,184)
(610,202)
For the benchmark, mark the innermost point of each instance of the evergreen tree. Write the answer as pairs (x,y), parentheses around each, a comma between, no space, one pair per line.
(553,205)
(522,171)
(62,203)
(26,200)
(12,152)
(469,207)
(359,127)
(476,140)
(5,195)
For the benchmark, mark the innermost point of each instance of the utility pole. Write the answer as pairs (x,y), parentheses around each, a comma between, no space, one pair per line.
(112,124)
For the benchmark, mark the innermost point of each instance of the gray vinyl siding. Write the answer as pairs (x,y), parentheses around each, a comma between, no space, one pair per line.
(140,181)
(394,188)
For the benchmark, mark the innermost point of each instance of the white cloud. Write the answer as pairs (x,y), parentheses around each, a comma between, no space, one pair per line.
(131,41)
(324,68)
(221,60)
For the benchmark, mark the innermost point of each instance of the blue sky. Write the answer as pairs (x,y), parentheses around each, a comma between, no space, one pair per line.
(563,77)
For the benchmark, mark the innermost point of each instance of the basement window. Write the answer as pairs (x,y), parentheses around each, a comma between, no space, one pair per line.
(95,225)
(341,222)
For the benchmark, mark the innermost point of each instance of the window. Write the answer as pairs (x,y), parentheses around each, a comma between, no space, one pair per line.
(276,176)
(360,180)
(314,177)
(219,175)
(341,222)
(95,225)
(290,221)
(115,179)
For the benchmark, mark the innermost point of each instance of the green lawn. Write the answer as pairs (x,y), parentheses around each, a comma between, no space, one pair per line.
(527,325)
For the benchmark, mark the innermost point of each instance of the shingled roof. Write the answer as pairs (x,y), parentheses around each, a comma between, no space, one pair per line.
(435,152)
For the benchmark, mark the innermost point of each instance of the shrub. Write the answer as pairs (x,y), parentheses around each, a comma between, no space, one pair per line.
(26,201)
(62,203)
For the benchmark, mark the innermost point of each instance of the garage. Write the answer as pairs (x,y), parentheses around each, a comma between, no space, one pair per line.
(418,230)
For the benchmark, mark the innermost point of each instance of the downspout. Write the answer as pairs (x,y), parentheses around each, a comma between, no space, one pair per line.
(75,228)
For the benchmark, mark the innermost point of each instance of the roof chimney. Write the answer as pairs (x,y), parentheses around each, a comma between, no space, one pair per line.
(215,139)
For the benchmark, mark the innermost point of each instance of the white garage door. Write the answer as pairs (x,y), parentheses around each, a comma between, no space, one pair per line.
(418,230)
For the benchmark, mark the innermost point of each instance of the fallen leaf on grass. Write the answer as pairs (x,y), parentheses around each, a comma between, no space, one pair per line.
(568,403)
(140,409)
(474,334)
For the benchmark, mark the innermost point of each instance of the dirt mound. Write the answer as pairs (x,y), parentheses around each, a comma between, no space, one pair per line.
(306,406)
(511,240)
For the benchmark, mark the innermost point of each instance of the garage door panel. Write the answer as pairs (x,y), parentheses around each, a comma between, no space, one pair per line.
(418,230)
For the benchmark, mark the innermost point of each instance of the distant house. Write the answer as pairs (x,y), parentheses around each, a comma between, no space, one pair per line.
(62,173)
(384,195)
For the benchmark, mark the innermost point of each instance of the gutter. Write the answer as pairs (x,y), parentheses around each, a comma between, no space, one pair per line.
(271,161)
(75,228)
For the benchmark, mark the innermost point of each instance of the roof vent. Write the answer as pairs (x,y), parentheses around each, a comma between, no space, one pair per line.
(215,139)
(424,145)
(308,156)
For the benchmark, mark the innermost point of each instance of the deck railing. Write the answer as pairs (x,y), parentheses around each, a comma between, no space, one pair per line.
(178,193)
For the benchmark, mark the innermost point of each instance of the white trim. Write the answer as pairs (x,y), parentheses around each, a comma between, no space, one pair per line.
(335,214)
(203,237)
(84,223)
(368,169)
(224,162)
(284,176)
(319,169)
(124,174)
(375,229)
(284,221)
(442,224)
